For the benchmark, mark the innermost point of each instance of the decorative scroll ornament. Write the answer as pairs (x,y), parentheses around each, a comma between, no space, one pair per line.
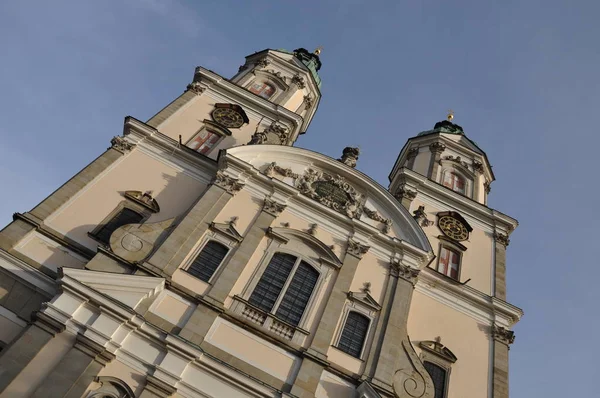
(503,335)
(262,63)
(331,191)
(273,168)
(275,134)
(145,199)
(405,193)
(230,184)
(458,160)
(272,207)
(356,249)
(413,381)
(374,215)
(502,239)
(405,272)
(299,81)
(437,147)
(121,144)
(477,166)
(309,101)
(350,156)
(196,88)
(421,217)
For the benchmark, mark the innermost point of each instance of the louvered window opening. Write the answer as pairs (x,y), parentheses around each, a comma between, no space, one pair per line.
(209,259)
(297,294)
(124,216)
(438,375)
(354,334)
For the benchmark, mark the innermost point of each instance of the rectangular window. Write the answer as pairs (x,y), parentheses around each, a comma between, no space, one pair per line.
(123,217)
(354,334)
(272,281)
(297,294)
(449,262)
(209,259)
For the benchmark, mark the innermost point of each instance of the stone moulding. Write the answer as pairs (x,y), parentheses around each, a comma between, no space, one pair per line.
(437,348)
(230,184)
(145,199)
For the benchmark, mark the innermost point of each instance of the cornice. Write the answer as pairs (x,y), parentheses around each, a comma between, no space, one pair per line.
(464,205)
(27,273)
(468,300)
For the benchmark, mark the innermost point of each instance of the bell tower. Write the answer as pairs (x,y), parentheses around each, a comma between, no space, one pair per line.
(271,100)
(443,178)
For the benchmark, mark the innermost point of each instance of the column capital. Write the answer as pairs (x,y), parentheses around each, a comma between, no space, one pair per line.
(402,271)
(272,207)
(478,166)
(503,335)
(229,184)
(356,249)
(437,147)
(412,152)
(501,238)
(405,193)
(121,144)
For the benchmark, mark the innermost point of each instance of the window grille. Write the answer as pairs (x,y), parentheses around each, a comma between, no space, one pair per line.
(123,217)
(206,263)
(272,281)
(297,294)
(354,334)
(438,375)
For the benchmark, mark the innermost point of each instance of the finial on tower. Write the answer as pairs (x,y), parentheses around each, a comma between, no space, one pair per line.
(450,115)
(318,50)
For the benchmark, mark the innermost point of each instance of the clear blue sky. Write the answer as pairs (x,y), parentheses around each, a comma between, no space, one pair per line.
(522,77)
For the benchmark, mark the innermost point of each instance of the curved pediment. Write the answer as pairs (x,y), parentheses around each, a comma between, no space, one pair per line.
(322,250)
(336,186)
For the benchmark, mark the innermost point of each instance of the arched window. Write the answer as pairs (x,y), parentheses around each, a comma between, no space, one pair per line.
(354,334)
(449,262)
(455,182)
(123,217)
(439,376)
(263,89)
(296,294)
(204,140)
(209,259)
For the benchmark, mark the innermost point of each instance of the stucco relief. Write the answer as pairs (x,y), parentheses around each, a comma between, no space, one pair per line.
(230,184)
(405,272)
(356,249)
(275,134)
(121,144)
(503,335)
(196,88)
(272,207)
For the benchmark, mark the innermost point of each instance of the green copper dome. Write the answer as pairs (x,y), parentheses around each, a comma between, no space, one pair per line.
(310,60)
(447,127)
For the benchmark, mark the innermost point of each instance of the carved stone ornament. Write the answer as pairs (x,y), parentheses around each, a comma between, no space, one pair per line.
(230,184)
(309,101)
(299,81)
(121,144)
(477,166)
(458,160)
(436,347)
(437,147)
(272,207)
(276,74)
(412,152)
(502,239)
(488,186)
(313,229)
(196,87)
(405,193)
(421,217)
(331,191)
(272,168)
(405,272)
(374,215)
(134,242)
(350,156)
(275,134)
(412,380)
(503,335)
(242,68)
(262,63)
(356,249)
(145,199)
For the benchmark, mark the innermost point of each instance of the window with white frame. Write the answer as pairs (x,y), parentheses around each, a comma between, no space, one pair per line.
(354,334)
(285,287)
(449,262)
(455,182)
(208,260)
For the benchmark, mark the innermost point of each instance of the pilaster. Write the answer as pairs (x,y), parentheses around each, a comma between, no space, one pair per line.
(405,195)
(502,338)
(501,242)
(436,149)
(75,371)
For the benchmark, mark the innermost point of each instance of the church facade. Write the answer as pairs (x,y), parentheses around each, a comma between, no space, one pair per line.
(204,255)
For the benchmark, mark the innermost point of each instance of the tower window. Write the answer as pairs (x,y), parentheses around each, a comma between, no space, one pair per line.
(296,294)
(204,141)
(262,89)
(439,376)
(123,217)
(354,334)
(454,182)
(206,263)
(449,262)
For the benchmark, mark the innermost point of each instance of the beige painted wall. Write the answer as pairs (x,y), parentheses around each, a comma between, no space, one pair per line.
(422,161)
(464,336)
(49,253)
(174,191)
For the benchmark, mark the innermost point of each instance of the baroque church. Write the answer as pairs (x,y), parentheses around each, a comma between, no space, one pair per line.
(204,255)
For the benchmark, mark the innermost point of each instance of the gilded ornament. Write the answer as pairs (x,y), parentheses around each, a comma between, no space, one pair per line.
(453,228)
